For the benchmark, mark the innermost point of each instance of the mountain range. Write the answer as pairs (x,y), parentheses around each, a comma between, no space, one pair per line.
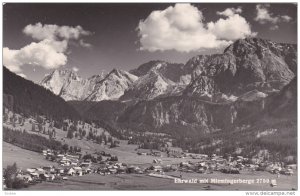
(207,93)
(247,89)
(70,86)
(247,65)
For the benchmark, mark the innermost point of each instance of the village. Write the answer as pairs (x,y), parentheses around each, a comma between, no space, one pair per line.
(63,166)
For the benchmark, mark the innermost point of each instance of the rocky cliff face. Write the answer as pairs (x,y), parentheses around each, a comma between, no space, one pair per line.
(70,86)
(152,85)
(112,86)
(246,65)
(178,113)
(283,104)
(193,115)
(174,72)
(157,79)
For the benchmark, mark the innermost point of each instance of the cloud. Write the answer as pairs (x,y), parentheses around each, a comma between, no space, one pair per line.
(230,11)
(47,54)
(263,16)
(54,32)
(182,28)
(51,49)
(232,28)
(286,18)
(274,27)
(10,61)
(75,69)
(84,44)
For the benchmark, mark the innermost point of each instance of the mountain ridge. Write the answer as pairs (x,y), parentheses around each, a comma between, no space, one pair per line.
(246,65)
(70,86)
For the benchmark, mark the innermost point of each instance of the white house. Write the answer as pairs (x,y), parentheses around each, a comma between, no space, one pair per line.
(31,170)
(71,172)
(78,170)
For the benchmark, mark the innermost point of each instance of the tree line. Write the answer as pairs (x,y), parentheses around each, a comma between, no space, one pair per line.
(29,141)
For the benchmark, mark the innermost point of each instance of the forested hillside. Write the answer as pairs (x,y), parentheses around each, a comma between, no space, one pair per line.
(29,98)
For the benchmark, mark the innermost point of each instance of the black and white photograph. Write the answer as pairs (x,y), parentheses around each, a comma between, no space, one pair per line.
(173,96)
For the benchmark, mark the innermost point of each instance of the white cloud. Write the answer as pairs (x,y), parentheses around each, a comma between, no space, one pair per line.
(50,52)
(274,27)
(75,69)
(286,18)
(10,61)
(54,32)
(47,54)
(230,11)
(84,44)
(232,28)
(182,28)
(264,16)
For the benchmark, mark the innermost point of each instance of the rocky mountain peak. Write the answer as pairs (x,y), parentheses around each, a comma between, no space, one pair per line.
(66,73)
(70,86)
(112,86)
(246,65)
(97,77)
(254,45)
(58,79)
(115,71)
(149,86)
(146,67)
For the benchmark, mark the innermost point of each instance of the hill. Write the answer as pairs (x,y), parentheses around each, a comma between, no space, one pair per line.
(31,99)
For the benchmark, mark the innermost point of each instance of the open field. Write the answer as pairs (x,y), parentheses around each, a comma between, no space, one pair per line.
(24,158)
(126,153)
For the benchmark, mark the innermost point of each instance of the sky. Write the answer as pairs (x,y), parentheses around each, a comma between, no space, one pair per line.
(95,37)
